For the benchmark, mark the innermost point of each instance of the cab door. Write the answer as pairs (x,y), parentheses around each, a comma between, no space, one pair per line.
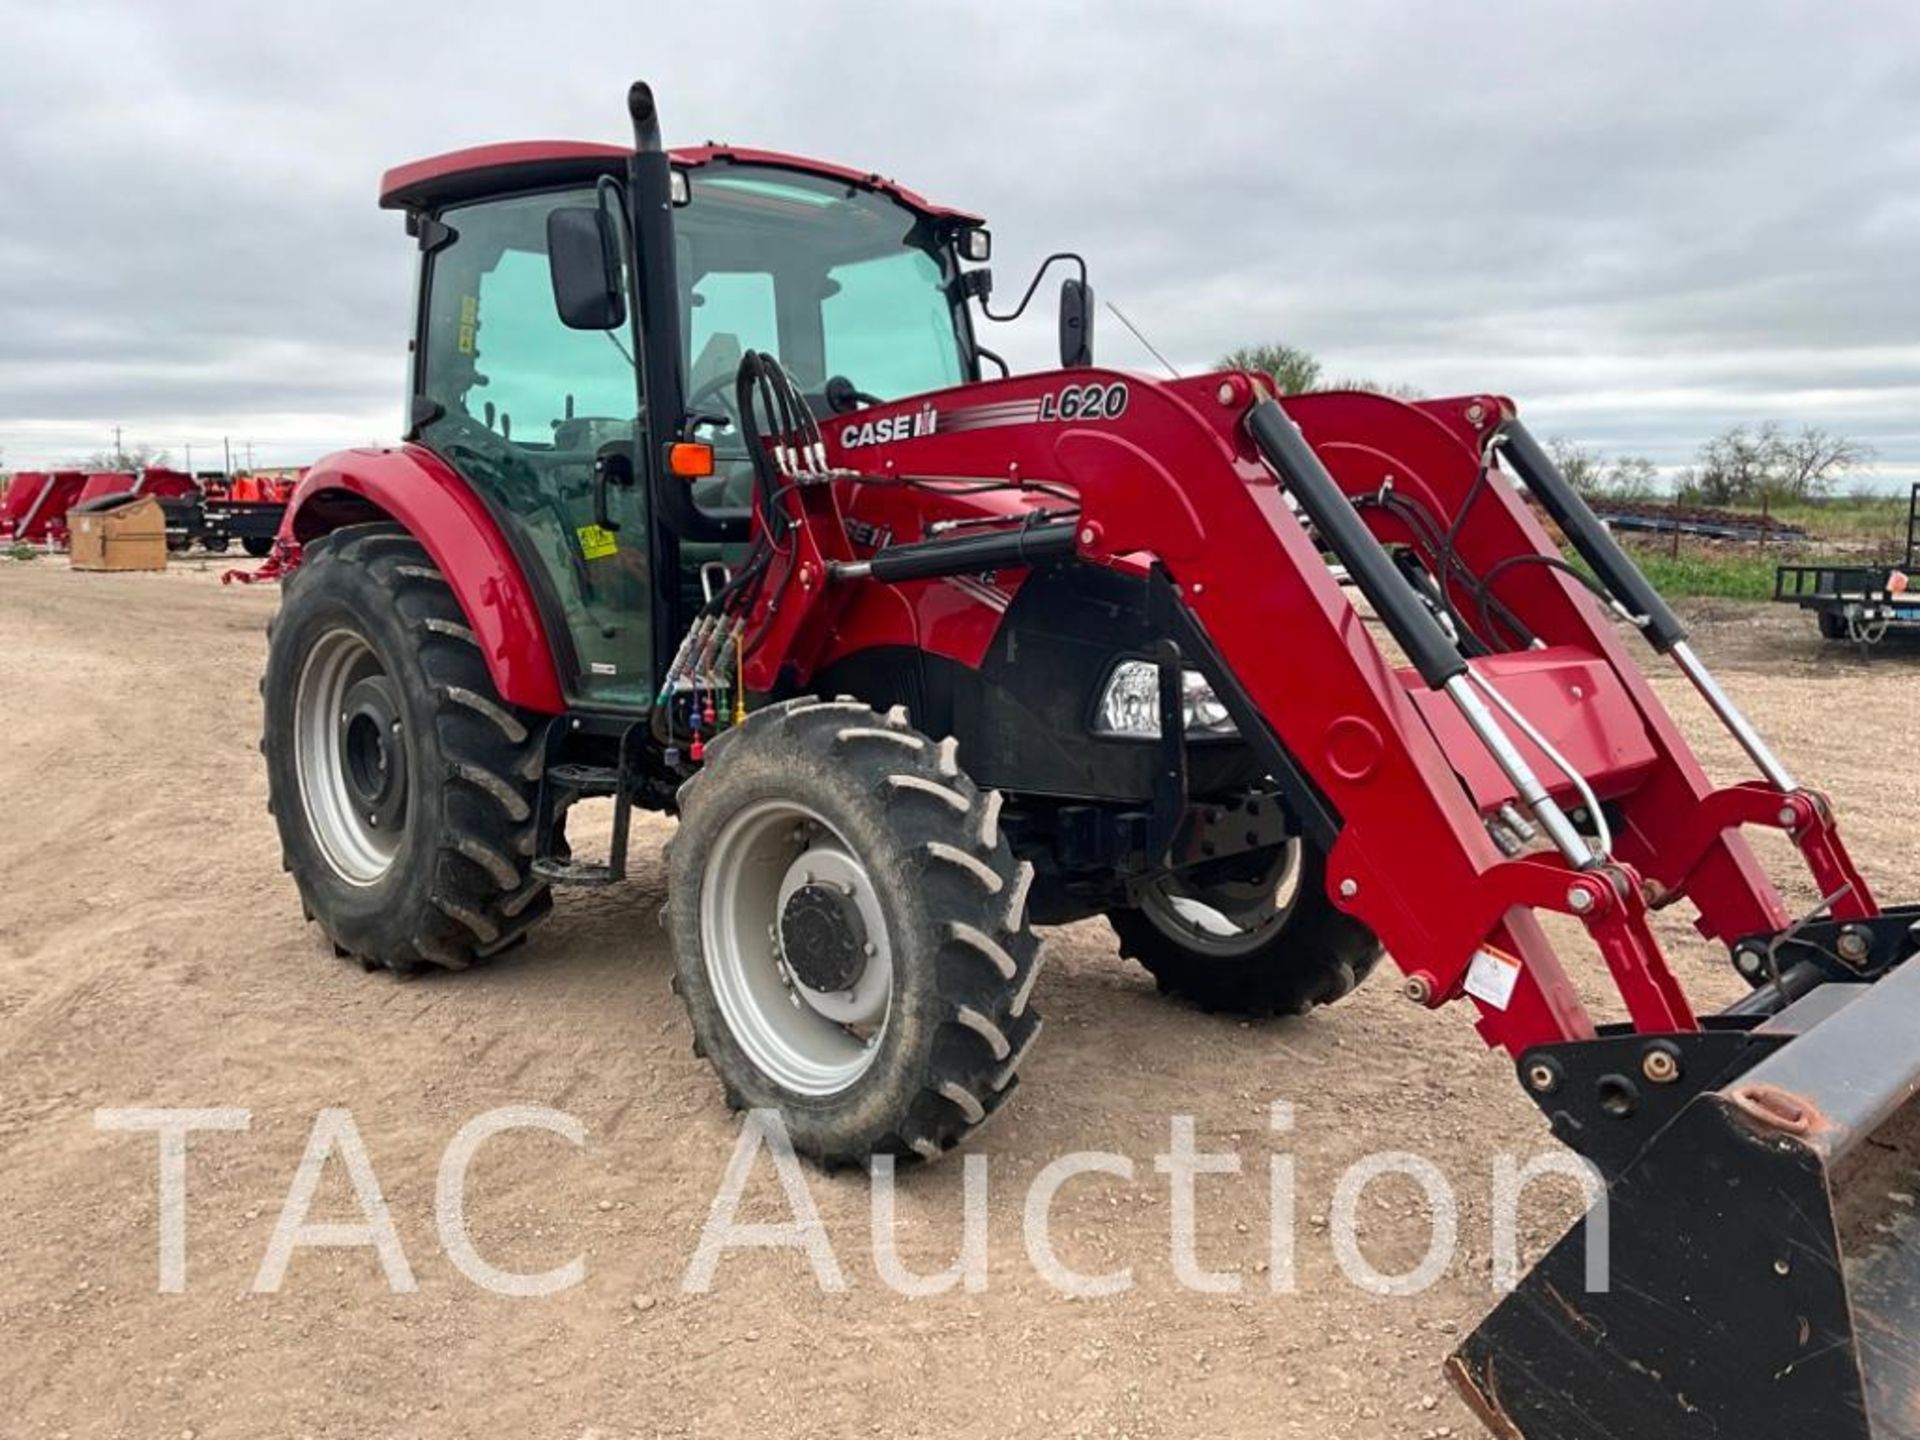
(524,404)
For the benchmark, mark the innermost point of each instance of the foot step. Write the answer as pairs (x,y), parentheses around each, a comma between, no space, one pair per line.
(573,872)
(585,779)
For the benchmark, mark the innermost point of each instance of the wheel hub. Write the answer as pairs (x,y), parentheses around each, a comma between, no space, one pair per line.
(796,947)
(350,756)
(373,759)
(823,937)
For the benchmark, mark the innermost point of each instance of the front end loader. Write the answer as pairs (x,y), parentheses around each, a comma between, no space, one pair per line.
(708,505)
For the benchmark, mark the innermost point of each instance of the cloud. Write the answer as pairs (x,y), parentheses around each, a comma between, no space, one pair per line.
(1644,221)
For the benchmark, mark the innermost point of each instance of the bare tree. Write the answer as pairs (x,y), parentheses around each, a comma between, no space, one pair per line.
(126,458)
(1631,477)
(1581,466)
(1374,387)
(1813,462)
(1298,372)
(1627,477)
(1764,463)
(1294,371)
(1733,464)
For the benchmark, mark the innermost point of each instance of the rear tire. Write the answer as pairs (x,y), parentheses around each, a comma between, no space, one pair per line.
(1833,625)
(828,814)
(258,546)
(1302,954)
(402,785)
(215,544)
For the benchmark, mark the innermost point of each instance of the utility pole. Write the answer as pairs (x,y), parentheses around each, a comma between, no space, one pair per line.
(117,451)
(249,456)
(189,457)
(227,446)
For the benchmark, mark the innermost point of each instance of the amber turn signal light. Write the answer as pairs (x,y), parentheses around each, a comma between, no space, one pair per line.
(690,460)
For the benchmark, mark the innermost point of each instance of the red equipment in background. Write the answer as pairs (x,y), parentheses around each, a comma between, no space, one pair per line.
(162,484)
(213,513)
(34,510)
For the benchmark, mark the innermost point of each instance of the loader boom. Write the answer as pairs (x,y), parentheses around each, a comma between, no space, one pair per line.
(1407,762)
(1520,696)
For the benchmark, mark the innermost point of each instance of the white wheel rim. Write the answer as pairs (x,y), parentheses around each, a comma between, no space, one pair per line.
(811,1042)
(350,839)
(1228,920)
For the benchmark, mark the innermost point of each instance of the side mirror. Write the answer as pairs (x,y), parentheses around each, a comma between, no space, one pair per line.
(1076,324)
(584,261)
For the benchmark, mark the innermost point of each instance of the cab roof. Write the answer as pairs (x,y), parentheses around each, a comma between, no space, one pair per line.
(484,170)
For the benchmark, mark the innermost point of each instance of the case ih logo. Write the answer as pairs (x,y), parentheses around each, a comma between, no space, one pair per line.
(893,427)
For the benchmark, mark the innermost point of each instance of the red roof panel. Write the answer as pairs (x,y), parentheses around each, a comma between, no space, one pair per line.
(482,169)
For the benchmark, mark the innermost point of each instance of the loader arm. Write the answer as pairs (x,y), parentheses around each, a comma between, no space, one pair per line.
(1174,472)
(1512,712)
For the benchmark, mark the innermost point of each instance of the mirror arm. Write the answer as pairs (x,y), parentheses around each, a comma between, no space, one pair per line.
(1014,314)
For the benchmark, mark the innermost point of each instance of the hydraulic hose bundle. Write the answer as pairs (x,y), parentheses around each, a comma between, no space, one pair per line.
(705,686)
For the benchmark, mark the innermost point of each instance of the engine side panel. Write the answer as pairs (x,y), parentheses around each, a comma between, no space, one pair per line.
(1020,692)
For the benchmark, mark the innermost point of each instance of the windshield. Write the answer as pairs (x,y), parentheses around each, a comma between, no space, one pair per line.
(833,279)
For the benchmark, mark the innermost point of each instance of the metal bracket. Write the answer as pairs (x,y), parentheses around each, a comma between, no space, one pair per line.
(1317,818)
(1170,769)
(1860,949)
(1607,1098)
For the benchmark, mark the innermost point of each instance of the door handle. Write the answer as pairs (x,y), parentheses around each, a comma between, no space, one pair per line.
(604,466)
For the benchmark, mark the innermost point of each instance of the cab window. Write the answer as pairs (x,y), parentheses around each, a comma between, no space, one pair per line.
(525,405)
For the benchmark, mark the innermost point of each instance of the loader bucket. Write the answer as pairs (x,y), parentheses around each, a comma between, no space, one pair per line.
(1763,1275)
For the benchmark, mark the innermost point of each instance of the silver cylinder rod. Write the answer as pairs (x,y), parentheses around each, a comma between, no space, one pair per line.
(1722,705)
(1542,806)
(1603,842)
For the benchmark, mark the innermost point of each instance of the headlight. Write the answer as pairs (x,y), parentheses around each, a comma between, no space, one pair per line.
(1130,705)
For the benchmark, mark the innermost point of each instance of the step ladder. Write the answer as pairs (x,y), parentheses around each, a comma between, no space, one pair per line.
(564,781)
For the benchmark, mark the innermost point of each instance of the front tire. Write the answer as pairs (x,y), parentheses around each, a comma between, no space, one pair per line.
(402,785)
(1257,936)
(849,931)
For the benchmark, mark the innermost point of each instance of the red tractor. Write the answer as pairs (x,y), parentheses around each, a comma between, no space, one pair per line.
(708,504)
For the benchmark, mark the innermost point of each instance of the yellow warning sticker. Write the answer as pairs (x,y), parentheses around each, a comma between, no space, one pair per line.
(597,542)
(469,323)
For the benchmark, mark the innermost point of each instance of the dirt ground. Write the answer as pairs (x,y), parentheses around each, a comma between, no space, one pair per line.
(152,954)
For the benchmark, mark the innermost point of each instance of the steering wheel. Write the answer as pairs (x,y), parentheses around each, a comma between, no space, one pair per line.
(718,390)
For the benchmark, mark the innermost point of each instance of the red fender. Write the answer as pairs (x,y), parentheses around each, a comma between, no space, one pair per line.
(412,486)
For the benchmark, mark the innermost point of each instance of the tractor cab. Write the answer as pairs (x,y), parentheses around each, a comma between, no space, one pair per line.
(554,376)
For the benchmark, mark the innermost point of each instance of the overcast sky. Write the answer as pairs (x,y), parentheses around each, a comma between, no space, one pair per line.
(1644,221)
